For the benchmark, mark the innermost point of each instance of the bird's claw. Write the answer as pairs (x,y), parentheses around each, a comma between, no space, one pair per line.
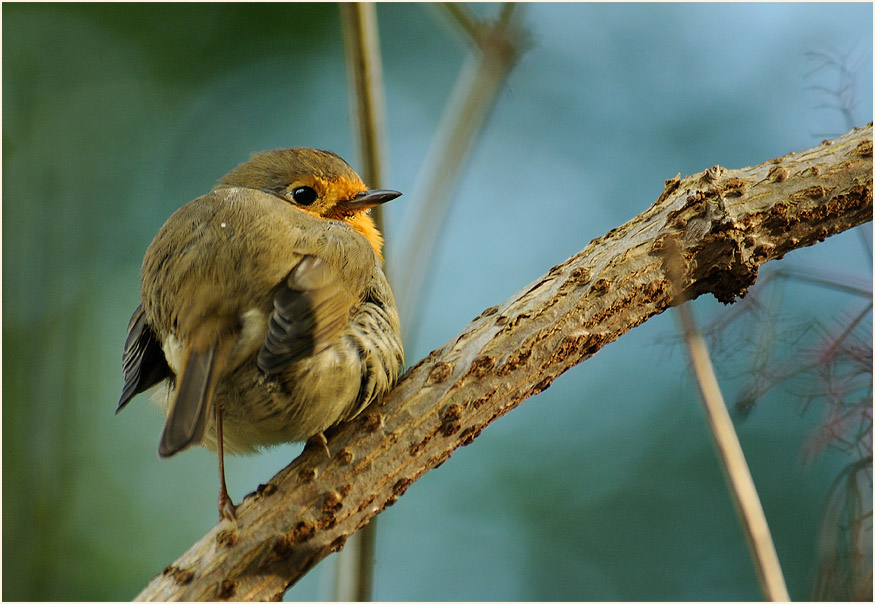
(227,509)
(319,440)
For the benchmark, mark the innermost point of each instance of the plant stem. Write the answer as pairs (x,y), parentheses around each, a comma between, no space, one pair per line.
(496,47)
(367,106)
(739,479)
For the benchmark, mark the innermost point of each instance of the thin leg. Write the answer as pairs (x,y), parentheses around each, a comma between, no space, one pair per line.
(227,509)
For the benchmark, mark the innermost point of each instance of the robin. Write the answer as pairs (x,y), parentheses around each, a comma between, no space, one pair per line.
(265,310)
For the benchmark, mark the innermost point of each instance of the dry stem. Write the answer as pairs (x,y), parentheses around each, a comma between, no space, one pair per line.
(496,48)
(740,482)
(361,42)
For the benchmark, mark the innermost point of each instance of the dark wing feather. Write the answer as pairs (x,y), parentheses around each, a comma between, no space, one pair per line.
(311,308)
(143,362)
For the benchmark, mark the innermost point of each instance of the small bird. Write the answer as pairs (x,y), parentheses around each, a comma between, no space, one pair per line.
(265,310)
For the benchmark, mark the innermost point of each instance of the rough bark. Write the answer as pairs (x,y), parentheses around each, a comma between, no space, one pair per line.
(713,229)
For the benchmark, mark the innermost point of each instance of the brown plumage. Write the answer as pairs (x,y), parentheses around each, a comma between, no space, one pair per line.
(265,308)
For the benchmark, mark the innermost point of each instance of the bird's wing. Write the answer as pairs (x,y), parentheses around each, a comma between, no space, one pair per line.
(310,309)
(143,362)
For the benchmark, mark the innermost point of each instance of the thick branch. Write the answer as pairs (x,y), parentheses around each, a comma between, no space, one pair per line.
(724,224)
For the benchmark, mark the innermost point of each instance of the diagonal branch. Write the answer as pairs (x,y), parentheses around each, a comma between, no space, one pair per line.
(724,224)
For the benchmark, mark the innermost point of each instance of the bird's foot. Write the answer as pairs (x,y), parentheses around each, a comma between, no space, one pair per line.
(319,440)
(227,509)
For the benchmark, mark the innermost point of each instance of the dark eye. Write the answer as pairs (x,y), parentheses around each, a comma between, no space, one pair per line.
(304,195)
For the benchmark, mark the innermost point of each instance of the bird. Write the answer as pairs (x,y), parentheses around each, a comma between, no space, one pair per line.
(266,315)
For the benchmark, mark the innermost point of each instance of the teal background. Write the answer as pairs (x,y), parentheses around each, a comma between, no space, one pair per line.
(605,486)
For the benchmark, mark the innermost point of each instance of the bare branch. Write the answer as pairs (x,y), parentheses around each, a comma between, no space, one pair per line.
(498,45)
(724,224)
(740,482)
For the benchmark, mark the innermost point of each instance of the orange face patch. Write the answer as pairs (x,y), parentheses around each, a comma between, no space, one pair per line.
(330,194)
(342,189)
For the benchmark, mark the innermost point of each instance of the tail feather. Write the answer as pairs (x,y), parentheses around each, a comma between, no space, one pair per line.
(193,402)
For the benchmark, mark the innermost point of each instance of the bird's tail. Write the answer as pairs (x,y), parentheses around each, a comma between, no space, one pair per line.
(193,401)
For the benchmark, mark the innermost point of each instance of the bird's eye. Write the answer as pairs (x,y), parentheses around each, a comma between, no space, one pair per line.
(304,195)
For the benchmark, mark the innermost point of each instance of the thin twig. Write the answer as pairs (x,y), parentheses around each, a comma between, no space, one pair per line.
(463,19)
(361,42)
(367,103)
(741,485)
(474,95)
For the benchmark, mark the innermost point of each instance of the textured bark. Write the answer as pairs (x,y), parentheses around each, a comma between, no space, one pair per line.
(714,229)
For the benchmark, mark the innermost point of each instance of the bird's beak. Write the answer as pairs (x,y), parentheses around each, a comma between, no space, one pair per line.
(368,199)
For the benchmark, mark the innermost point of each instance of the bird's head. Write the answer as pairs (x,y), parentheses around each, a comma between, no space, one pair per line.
(317,182)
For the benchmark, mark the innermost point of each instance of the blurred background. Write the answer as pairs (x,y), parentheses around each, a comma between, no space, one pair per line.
(603,487)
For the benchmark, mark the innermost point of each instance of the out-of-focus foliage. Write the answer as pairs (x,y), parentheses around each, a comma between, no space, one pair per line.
(603,487)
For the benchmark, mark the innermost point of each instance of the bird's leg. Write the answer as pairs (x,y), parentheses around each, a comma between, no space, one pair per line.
(227,509)
(319,440)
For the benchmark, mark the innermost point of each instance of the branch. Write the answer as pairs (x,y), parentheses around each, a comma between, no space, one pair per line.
(723,224)
(729,452)
(498,45)
(364,67)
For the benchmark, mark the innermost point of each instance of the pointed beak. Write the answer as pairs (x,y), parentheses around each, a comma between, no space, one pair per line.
(368,199)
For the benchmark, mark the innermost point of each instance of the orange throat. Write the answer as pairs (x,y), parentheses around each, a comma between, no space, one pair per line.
(364,224)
